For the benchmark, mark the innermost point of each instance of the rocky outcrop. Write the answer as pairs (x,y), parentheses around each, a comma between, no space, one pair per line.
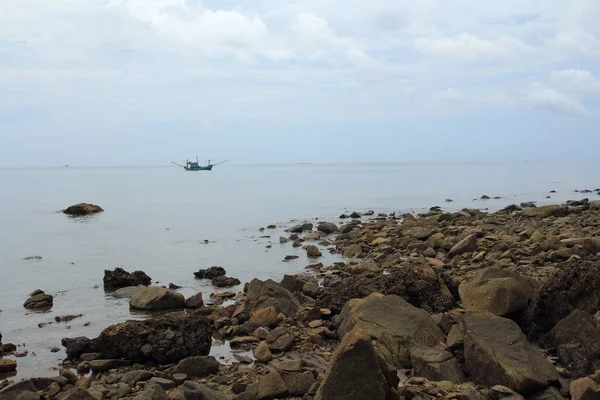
(119,278)
(497,352)
(39,301)
(496,290)
(356,373)
(394,325)
(210,273)
(264,294)
(157,298)
(82,209)
(167,339)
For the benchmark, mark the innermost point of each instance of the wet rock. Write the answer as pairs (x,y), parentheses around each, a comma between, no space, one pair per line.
(497,352)
(327,227)
(194,301)
(127,292)
(394,325)
(75,347)
(574,285)
(198,367)
(82,209)
(39,301)
(157,298)
(225,281)
(467,245)
(436,364)
(7,365)
(354,372)
(496,290)
(264,294)
(106,365)
(313,251)
(210,273)
(584,389)
(262,353)
(577,342)
(196,391)
(301,228)
(119,278)
(167,339)
(265,317)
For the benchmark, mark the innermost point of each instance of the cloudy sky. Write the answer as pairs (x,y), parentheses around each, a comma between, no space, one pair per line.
(112,82)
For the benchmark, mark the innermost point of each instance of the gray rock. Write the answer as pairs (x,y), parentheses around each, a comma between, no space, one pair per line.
(28,396)
(163,383)
(298,383)
(106,365)
(196,391)
(157,298)
(80,393)
(194,301)
(198,367)
(152,391)
(436,364)
(327,227)
(127,292)
(133,377)
(11,392)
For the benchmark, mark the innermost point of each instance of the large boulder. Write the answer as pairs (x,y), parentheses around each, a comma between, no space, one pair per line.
(81,209)
(119,278)
(575,285)
(394,325)
(157,298)
(327,227)
(39,301)
(167,339)
(496,290)
(497,353)
(265,294)
(355,372)
(577,342)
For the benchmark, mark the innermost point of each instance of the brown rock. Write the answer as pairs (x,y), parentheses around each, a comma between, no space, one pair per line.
(262,353)
(194,301)
(436,364)
(157,298)
(298,383)
(467,245)
(265,317)
(198,367)
(270,294)
(584,389)
(7,365)
(313,251)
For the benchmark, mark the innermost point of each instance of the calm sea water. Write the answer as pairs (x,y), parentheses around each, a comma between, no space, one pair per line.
(157,218)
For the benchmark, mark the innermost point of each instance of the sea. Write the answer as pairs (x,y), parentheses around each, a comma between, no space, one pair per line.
(169,223)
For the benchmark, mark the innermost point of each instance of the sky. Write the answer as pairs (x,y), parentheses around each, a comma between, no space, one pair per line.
(146,82)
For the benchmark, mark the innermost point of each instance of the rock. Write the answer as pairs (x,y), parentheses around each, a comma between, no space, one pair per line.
(544,211)
(82,209)
(282,343)
(310,289)
(298,383)
(83,367)
(436,364)
(106,365)
(355,215)
(80,393)
(496,290)
(264,294)
(119,278)
(584,389)
(39,301)
(68,375)
(262,353)
(456,337)
(270,387)
(225,281)
(574,285)
(394,325)
(577,341)
(467,245)
(295,283)
(551,393)
(196,391)
(313,251)
(497,352)
(166,339)
(194,301)
(327,227)
(133,377)
(75,347)
(127,292)
(283,240)
(11,392)
(7,365)
(210,273)
(485,197)
(198,367)
(354,372)
(265,317)
(166,384)
(157,298)
(173,286)
(353,251)
(153,391)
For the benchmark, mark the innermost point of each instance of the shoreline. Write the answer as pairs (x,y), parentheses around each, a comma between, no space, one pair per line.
(422,259)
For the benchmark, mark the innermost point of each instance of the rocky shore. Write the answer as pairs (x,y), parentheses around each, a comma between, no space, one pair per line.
(464,305)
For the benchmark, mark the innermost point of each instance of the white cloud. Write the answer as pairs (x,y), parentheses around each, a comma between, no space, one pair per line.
(450,94)
(549,99)
(576,81)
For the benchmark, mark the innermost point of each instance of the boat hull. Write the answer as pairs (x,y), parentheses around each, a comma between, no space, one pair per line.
(205,168)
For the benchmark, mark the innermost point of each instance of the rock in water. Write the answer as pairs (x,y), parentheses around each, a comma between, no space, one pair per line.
(77,346)
(167,339)
(354,372)
(127,292)
(313,251)
(327,227)
(264,294)
(394,325)
(39,301)
(496,290)
(225,281)
(210,273)
(82,209)
(119,278)
(497,352)
(157,298)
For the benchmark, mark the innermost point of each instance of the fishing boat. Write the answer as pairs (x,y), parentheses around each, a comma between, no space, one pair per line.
(195,166)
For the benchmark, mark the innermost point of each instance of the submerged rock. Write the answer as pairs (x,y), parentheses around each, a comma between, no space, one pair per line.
(157,298)
(119,278)
(82,209)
